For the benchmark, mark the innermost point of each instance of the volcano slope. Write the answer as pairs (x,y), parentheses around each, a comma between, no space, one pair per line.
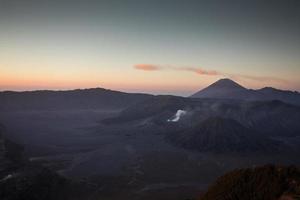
(217,125)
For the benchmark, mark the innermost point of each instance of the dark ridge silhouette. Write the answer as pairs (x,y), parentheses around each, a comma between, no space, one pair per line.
(228,89)
(261,183)
(95,98)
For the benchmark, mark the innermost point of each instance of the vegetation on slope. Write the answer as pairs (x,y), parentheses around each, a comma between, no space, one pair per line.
(261,183)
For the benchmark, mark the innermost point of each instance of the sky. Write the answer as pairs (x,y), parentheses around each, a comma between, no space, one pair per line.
(152,46)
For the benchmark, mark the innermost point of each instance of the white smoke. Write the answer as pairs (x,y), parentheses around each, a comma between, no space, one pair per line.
(177,116)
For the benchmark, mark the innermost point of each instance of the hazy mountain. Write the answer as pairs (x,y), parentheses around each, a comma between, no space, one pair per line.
(218,134)
(216,125)
(266,117)
(96,98)
(261,183)
(228,89)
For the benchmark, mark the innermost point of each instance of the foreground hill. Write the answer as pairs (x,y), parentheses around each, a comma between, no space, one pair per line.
(96,98)
(228,89)
(260,183)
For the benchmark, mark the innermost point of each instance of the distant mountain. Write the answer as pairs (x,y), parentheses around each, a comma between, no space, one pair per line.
(95,98)
(217,134)
(228,89)
(221,88)
(261,183)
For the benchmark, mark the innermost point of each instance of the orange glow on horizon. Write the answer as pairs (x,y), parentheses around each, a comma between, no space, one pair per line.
(164,82)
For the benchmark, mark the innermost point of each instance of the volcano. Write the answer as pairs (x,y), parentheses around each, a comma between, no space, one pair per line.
(228,89)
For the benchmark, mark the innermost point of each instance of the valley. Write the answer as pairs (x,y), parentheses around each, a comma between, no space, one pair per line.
(137,152)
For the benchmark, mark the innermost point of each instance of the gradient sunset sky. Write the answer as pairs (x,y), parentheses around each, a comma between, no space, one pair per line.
(161,47)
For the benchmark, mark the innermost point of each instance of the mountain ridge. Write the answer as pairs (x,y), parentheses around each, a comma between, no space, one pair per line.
(93,98)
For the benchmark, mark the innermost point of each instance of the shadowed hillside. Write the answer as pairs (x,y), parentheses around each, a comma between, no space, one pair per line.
(22,180)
